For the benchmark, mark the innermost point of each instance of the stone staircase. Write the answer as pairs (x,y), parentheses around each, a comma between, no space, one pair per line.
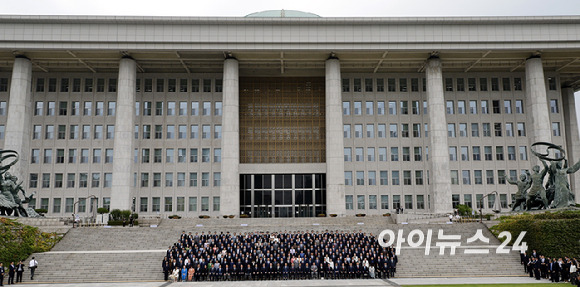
(100,254)
(414,263)
(49,225)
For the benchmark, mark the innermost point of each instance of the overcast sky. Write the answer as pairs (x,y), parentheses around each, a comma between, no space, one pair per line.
(334,8)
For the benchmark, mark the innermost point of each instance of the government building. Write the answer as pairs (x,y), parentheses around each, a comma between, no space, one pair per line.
(283,113)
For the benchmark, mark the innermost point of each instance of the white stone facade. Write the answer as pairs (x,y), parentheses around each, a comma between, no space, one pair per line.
(421,113)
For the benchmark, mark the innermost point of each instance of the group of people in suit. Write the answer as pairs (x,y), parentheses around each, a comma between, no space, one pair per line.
(13,269)
(278,256)
(554,269)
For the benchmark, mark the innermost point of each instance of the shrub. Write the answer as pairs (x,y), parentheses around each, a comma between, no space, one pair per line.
(41,210)
(135,216)
(175,216)
(321,215)
(102,210)
(332,215)
(19,241)
(551,234)
(116,214)
(360,215)
(463,210)
(243,216)
(120,222)
(387,214)
(204,216)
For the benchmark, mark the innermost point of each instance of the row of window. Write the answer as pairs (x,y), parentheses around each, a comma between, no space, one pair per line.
(169,204)
(371,154)
(172,155)
(479,203)
(71,156)
(182,130)
(384,204)
(180,204)
(361,201)
(74,131)
(81,204)
(88,108)
(99,132)
(96,180)
(450,84)
(371,177)
(487,153)
(100,85)
(192,179)
(156,155)
(405,132)
(419,178)
(451,107)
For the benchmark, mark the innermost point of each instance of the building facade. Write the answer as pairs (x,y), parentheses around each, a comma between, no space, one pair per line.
(289,116)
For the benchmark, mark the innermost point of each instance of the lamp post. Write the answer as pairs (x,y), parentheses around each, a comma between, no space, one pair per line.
(481,204)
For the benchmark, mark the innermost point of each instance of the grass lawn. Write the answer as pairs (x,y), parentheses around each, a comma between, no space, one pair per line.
(487,285)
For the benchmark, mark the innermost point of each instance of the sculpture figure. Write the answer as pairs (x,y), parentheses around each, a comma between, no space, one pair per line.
(537,195)
(523,185)
(10,202)
(563,196)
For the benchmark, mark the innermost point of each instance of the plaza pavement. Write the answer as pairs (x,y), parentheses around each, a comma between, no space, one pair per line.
(297,283)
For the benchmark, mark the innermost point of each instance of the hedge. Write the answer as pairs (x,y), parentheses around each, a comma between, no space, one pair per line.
(18,241)
(551,234)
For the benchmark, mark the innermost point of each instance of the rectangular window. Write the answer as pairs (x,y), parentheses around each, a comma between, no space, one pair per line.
(193,179)
(192,203)
(478,176)
(394,154)
(143,204)
(404,107)
(381,130)
(408,201)
(419,177)
(395,177)
(523,153)
(393,130)
(360,202)
(499,152)
(454,177)
(168,204)
(476,153)
(452,153)
(519,107)
(346,108)
(506,84)
(475,130)
(358,131)
(368,85)
(346,85)
(556,129)
(205,179)
(384,177)
(466,177)
(461,107)
(348,202)
(347,154)
(517,84)
(348,178)
(382,154)
(155,204)
(357,85)
(360,178)
(204,203)
(484,107)
(392,108)
(216,203)
(357,108)
(495,84)
(193,155)
(372,177)
(380,108)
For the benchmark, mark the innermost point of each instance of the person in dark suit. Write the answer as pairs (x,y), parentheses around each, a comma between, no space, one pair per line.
(19,270)
(1,274)
(166,265)
(537,267)
(11,271)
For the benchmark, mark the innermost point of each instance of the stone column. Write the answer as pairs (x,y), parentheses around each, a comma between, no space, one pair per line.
(334,140)
(572,137)
(537,104)
(123,147)
(18,127)
(439,157)
(230,181)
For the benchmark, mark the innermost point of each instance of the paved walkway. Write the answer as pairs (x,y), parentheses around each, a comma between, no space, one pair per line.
(315,283)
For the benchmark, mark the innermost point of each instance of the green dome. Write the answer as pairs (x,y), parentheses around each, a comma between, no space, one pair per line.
(282,14)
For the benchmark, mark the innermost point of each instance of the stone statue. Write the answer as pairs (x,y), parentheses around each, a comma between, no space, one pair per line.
(563,196)
(10,202)
(537,195)
(520,197)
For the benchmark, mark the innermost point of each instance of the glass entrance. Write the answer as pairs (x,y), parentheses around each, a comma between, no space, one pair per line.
(282,195)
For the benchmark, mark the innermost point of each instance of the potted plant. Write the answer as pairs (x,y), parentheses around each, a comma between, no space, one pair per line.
(244,216)
(360,215)
(175,216)
(332,215)
(321,215)
(387,214)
